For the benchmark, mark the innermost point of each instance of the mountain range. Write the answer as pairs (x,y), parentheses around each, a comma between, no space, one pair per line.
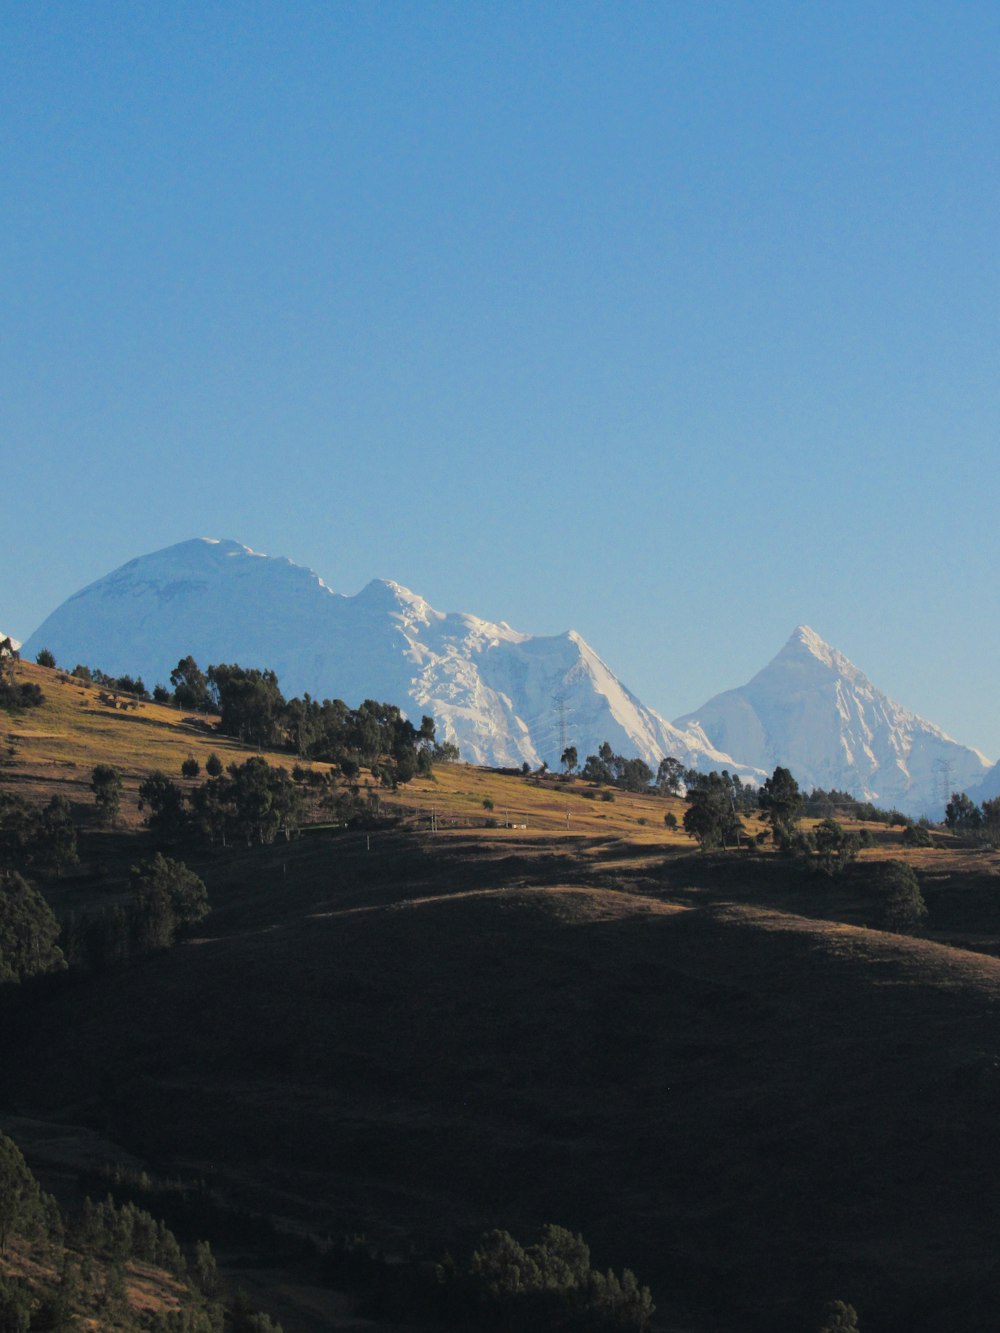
(504,697)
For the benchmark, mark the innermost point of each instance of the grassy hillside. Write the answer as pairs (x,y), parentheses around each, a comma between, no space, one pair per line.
(706,1064)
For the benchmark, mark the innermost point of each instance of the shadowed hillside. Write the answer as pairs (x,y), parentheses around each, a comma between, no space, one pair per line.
(423,1036)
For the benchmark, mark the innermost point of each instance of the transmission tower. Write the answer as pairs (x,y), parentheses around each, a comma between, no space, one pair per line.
(563,712)
(944,769)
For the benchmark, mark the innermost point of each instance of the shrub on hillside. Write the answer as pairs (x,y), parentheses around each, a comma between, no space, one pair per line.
(901,904)
(106,784)
(28,931)
(915,835)
(551,1285)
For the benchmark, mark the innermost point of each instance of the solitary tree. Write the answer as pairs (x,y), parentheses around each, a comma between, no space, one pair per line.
(106,784)
(961,814)
(568,758)
(835,847)
(839,1317)
(781,802)
(165,802)
(669,776)
(182,893)
(710,816)
(901,902)
(991,822)
(190,685)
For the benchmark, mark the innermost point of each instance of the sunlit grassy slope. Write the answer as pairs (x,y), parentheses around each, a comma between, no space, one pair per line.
(55,747)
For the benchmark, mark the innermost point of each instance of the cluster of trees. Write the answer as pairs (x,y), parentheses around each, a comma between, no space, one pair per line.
(712,816)
(504,1285)
(252,709)
(125,684)
(607,769)
(13,694)
(165,900)
(982,822)
(29,932)
(551,1284)
(251,802)
(34,836)
(123,1232)
(823,804)
(24,1209)
(255,801)
(31,837)
(82,1275)
(716,801)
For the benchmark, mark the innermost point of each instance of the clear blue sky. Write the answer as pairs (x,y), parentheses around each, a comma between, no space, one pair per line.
(677,324)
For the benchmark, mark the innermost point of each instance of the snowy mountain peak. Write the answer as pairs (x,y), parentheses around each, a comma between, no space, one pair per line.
(813,711)
(384,596)
(805,638)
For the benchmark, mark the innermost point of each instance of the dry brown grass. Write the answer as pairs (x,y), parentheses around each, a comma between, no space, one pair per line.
(54,748)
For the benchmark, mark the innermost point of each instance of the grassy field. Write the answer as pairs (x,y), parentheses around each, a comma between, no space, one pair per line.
(710,1065)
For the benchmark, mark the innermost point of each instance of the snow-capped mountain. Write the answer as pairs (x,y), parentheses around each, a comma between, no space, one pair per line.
(13,642)
(812,711)
(503,697)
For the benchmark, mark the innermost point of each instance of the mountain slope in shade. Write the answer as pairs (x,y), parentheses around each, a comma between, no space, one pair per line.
(812,711)
(502,696)
(988,789)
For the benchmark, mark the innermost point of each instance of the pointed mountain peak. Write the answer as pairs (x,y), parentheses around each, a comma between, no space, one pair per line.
(805,641)
(813,711)
(387,596)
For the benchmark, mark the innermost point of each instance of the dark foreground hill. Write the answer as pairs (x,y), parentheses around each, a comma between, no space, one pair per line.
(754,1109)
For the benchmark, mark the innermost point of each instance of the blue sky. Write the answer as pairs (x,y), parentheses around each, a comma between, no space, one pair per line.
(676,324)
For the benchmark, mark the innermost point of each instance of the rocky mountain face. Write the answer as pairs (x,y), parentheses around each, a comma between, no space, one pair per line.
(502,696)
(812,711)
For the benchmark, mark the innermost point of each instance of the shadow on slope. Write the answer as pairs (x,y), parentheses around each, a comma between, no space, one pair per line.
(754,1110)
